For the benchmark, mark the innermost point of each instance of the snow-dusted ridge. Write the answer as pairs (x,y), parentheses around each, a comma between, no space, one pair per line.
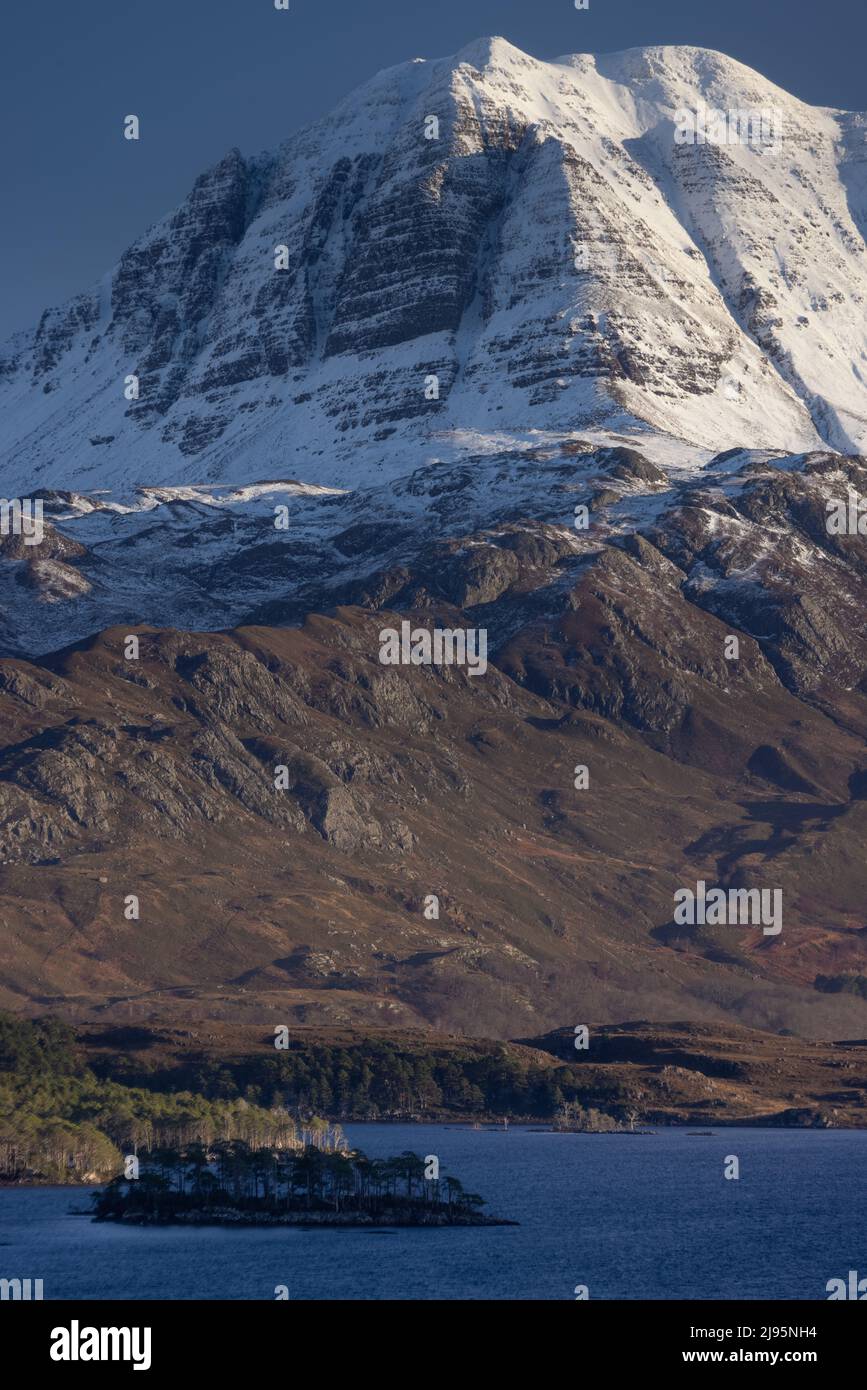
(210,557)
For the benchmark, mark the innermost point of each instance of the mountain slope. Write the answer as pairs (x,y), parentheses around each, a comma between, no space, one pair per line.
(155,776)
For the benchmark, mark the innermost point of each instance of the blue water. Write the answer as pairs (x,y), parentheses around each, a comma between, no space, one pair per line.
(630,1216)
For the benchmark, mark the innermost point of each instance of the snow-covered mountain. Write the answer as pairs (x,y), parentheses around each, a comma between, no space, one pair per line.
(553,254)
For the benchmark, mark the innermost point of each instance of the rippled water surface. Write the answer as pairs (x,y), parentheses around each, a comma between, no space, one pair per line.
(630,1216)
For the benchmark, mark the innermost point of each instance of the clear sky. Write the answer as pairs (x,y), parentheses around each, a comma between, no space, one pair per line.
(204,75)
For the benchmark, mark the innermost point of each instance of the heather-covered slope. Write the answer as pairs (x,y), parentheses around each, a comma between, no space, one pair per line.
(307,903)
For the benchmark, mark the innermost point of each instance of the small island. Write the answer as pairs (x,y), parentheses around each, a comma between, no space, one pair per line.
(231,1183)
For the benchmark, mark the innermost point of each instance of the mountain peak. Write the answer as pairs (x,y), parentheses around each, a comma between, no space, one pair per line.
(525,241)
(491,51)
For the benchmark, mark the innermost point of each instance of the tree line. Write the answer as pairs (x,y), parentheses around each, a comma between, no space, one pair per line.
(67,1117)
(374,1079)
(60,1122)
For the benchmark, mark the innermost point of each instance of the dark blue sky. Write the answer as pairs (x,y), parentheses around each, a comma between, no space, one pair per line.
(204,75)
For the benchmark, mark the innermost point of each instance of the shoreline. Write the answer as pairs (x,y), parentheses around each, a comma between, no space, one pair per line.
(312,1219)
(523,1126)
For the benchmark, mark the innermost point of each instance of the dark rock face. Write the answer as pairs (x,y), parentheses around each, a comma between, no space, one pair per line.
(54,545)
(166,287)
(616,656)
(782,575)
